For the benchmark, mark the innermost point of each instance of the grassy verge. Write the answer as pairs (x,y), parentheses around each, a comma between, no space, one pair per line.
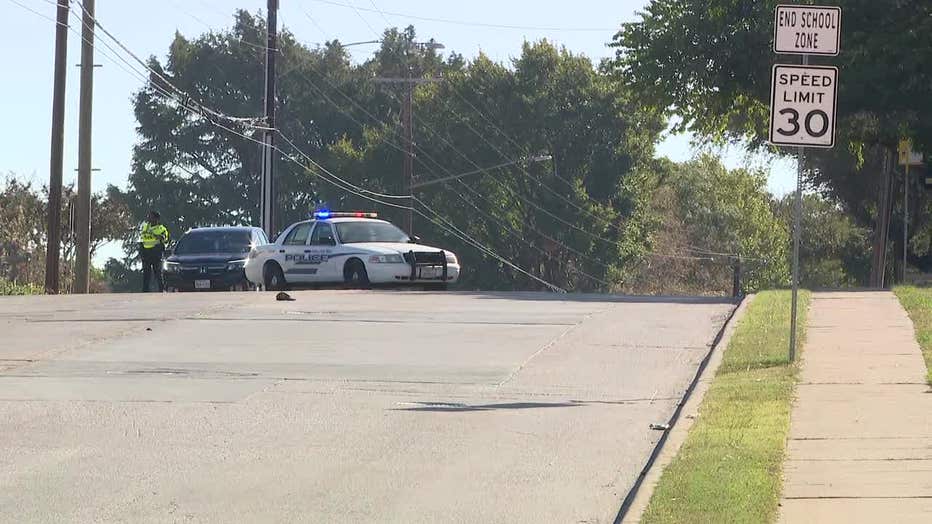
(729,469)
(918,303)
(9,288)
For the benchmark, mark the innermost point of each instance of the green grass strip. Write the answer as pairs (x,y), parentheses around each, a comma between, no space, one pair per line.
(9,288)
(729,469)
(918,303)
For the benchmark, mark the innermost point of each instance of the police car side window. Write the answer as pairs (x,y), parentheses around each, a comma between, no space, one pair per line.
(298,235)
(323,235)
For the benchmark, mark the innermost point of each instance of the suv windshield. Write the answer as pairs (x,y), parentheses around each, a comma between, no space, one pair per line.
(210,242)
(353,232)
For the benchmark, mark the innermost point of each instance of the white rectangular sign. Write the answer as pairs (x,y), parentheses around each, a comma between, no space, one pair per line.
(802,105)
(807,30)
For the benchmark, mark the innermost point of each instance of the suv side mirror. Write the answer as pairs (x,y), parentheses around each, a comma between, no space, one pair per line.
(414,239)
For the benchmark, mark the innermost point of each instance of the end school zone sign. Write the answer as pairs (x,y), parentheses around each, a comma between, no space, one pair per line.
(807,30)
(803,104)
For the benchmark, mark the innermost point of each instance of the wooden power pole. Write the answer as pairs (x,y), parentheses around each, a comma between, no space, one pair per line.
(53,243)
(267,181)
(82,235)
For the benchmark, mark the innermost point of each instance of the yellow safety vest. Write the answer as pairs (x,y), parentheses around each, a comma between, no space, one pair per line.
(151,236)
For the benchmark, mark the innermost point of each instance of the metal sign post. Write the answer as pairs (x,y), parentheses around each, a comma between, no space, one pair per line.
(803,102)
(797,227)
(907,158)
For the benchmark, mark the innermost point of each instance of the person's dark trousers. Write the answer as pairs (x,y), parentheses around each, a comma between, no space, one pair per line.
(151,267)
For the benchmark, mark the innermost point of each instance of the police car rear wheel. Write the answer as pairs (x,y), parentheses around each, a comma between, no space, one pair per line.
(274,278)
(355,275)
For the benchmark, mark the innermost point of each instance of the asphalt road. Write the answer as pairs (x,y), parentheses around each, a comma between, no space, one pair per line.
(340,406)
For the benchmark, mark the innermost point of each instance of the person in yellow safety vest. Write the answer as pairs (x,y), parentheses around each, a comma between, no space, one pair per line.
(153,239)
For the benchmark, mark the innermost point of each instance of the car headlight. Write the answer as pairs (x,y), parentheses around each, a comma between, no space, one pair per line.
(386,259)
(236,264)
(451,258)
(171,267)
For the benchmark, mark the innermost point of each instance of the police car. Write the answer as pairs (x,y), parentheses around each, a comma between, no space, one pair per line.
(357,249)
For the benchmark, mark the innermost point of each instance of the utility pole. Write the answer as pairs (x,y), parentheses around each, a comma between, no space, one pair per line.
(53,244)
(85,105)
(267,205)
(408,123)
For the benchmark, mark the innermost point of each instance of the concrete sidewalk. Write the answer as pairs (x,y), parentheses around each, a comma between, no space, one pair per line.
(860,445)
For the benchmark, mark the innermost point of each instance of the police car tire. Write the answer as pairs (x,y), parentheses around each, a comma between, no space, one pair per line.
(355,275)
(274,270)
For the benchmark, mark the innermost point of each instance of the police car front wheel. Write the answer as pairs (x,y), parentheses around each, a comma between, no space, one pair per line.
(274,278)
(355,275)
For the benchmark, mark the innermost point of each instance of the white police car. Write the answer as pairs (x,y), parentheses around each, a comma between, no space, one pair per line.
(352,248)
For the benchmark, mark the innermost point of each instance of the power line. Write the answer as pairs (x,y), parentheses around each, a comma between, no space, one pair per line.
(448,227)
(337,182)
(537,206)
(359,14)
(37,13)
(352,188)
(162,78)
(528,175)
(320,28)
(475,24)
(424,153)
(382,13)
(470,240)
(466,238)
(312,161)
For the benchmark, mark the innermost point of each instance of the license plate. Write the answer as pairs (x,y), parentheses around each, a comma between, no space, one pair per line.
(431,272)
(202,284)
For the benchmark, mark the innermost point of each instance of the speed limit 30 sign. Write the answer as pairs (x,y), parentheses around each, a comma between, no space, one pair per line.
(802,105)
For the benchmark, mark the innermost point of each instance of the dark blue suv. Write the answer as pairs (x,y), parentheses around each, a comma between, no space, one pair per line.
(211,258)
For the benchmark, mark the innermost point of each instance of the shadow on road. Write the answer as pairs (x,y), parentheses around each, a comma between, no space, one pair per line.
(456,407)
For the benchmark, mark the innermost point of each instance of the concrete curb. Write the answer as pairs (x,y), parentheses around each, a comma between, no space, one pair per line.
(676,435)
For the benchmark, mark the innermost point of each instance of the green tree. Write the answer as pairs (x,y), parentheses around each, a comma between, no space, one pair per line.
(586,221)
(704,215)
(834,251)
(709,61)
(24,239)
(572,220)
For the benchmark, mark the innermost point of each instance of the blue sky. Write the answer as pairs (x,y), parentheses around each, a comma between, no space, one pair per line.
(146,27)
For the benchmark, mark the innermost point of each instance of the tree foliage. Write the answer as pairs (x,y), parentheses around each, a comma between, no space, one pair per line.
(24,239)
(709,61)
(572,220)
(564,183)
(708,219)
(835,251)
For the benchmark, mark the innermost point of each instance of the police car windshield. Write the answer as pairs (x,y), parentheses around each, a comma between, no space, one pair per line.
(210,242)
(354,232)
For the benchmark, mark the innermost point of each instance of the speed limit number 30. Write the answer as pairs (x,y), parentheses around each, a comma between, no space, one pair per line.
(802,105)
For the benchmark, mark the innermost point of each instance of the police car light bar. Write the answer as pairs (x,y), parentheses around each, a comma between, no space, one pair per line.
(325,214)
